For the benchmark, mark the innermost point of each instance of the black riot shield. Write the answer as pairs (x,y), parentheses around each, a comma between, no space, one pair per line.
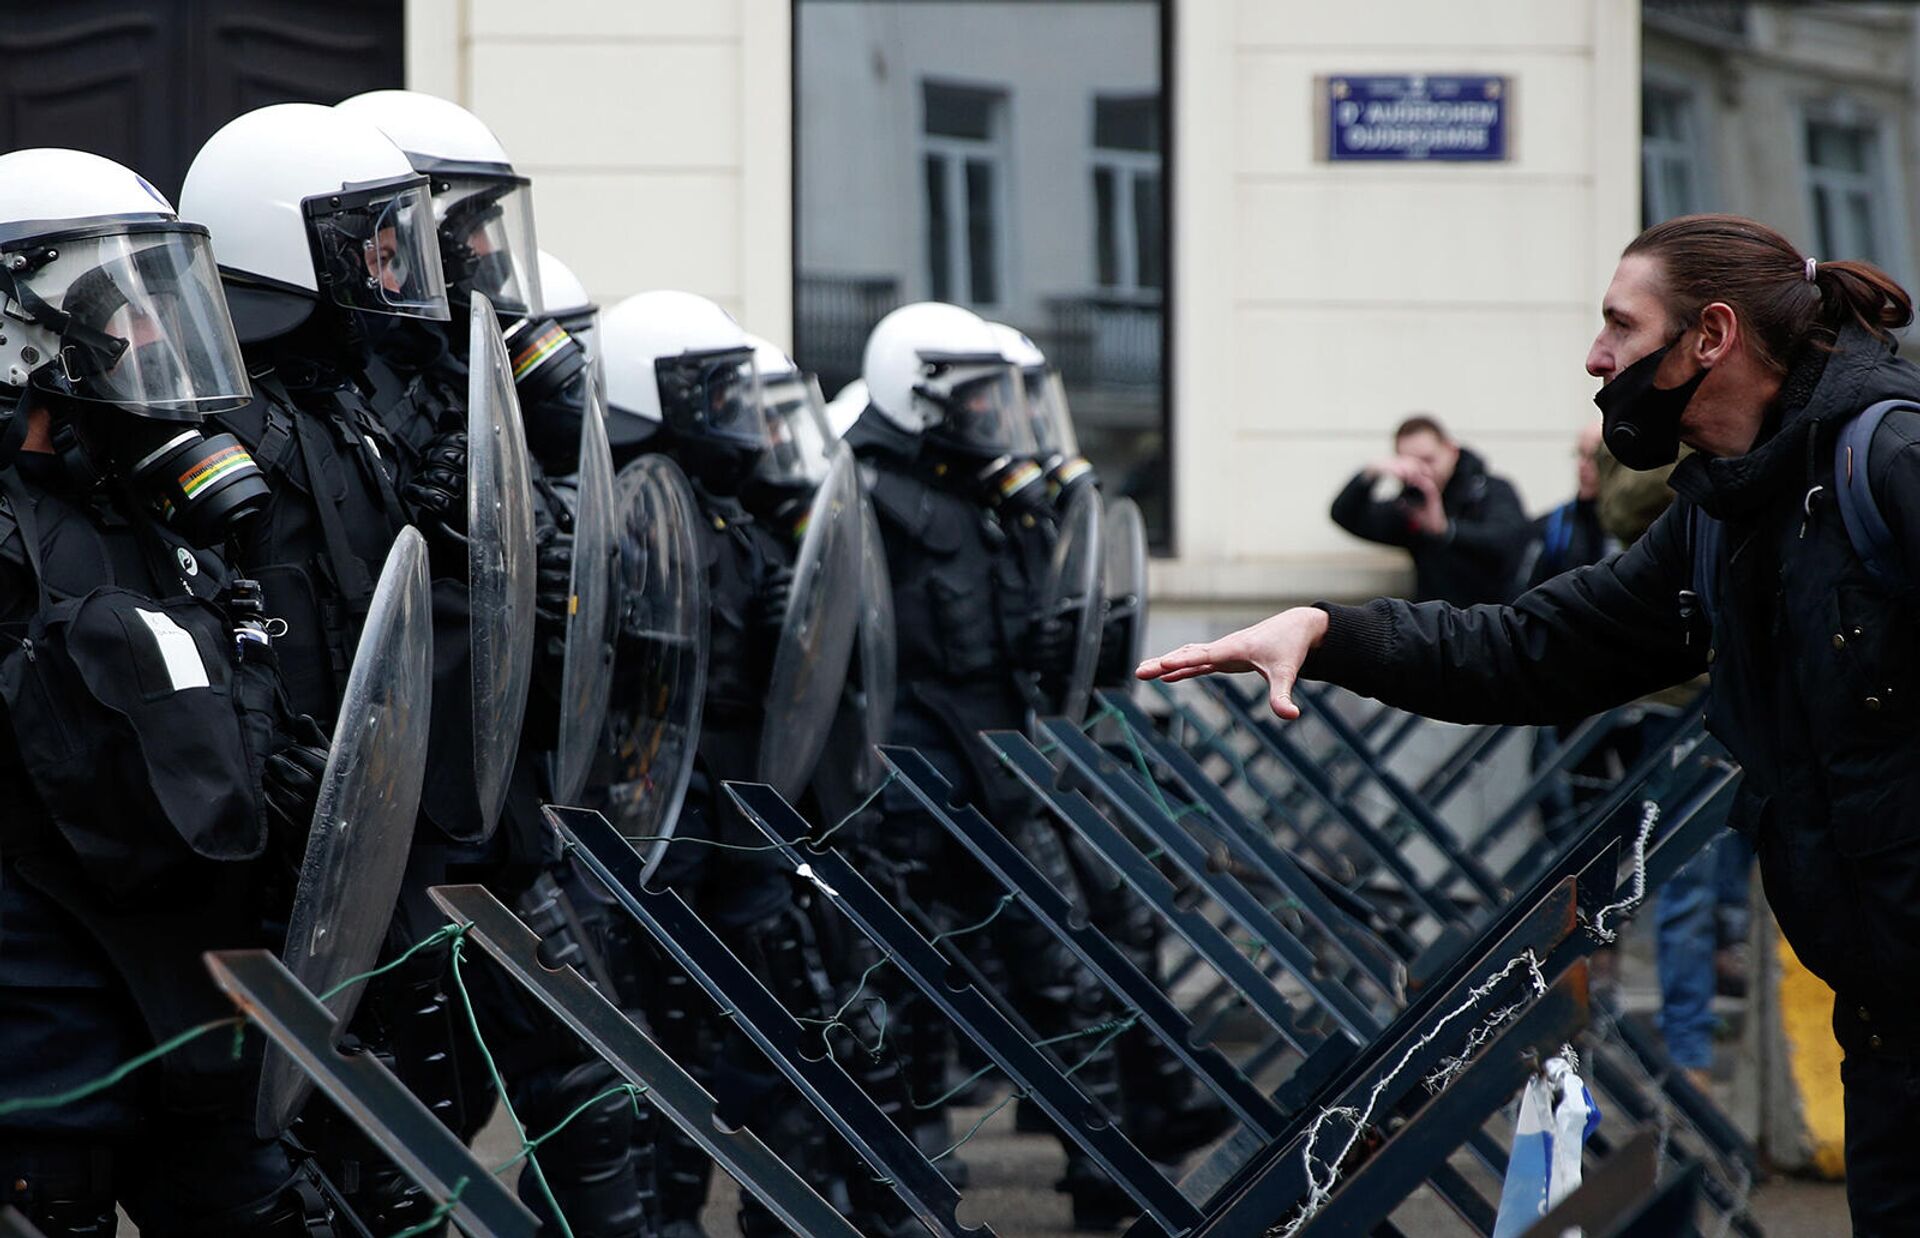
(660,662)
(363,821)
(1074,591)
(1124,639)
(816,639)
(586,679)
(500,559)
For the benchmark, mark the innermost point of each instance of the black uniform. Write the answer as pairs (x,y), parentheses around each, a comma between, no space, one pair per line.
(965,589)
(1474,560)
(419,387)
(1815,689)
(135,837)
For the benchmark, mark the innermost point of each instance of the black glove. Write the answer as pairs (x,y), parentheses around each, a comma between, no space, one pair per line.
(770,606)
(291,783)
(1050,647)
(552,592)
(437,491)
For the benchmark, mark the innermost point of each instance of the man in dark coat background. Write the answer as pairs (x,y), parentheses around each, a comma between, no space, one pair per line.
(1464,527)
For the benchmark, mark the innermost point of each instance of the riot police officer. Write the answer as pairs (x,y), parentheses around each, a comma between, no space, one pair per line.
(333,248)
(141,700)
(681,375)
(965,519)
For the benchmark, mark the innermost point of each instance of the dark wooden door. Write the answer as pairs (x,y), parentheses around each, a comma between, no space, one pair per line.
(147,81)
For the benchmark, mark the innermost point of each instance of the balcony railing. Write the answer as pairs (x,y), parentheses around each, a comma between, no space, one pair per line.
(832,315)
(1105,341)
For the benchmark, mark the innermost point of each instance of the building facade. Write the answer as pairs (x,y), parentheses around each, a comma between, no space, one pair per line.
(1143,185)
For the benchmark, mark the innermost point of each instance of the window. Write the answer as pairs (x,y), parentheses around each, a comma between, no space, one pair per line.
(1846,186)
(1011,156)
(1671,155)
(965,212)
(1128,224)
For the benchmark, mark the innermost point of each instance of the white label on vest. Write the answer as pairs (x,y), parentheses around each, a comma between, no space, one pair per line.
(177,650)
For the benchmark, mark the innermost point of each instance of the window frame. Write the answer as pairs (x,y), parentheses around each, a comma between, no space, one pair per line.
(957,153)
(1124,166)
(1884,182)
(1694,147)
(1165,541)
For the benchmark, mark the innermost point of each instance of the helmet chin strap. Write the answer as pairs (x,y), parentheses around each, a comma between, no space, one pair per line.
(14,438)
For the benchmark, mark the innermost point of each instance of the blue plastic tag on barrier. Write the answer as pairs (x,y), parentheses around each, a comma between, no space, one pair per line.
(1557,1115)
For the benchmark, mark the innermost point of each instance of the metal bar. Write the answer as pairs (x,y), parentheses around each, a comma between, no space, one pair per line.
(1222,819)
(1609,1192)
(1089,945)
(379,1104)
(1026,1064)
(1407,1158)
(623,1046)
(1437,832)
(1126,796)
(1306,774)
(1201,934)
(809,1066)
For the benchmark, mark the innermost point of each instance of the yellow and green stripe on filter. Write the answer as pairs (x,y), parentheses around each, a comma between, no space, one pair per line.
(538,350)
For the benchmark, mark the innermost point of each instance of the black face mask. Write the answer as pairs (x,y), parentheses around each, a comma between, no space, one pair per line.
(1641,422)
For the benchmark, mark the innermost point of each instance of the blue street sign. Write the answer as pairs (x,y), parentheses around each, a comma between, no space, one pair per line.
(1417,117)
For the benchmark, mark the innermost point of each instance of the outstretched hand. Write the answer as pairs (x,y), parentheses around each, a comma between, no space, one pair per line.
(1275,647)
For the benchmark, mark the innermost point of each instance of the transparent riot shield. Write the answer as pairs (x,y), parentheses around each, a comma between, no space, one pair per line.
(878,649)
(660,659)
(500,559)
(363,821)
(816,638)
(1123,643)
(586,679)
(1074,593)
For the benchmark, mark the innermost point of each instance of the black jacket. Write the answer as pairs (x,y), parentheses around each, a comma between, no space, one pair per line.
(1567,537)
(1474,560)
(1814,668)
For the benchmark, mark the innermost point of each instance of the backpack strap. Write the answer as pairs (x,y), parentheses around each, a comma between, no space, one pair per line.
(1867,528)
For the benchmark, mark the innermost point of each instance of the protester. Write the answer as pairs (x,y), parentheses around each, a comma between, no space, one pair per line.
(1464,527)
(1718,333)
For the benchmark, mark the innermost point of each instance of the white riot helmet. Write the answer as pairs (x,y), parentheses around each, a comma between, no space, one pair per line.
(799,441)
(677,359)
(936,370)
(307,203)
(1046,395)
(566,302)
(105,296)
(484,210)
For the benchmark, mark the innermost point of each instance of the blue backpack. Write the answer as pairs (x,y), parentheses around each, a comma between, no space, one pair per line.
(1867,529)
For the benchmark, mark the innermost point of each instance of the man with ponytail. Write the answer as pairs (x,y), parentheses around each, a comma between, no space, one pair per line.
(1785,570)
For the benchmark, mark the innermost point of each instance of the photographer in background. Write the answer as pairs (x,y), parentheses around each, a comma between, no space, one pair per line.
(1464,527)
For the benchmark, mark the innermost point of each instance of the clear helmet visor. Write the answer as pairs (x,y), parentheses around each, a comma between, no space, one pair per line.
(140,317)
(799,442)
(1047,404)
(983,407)
(714,395)
(376,250)
(487,240)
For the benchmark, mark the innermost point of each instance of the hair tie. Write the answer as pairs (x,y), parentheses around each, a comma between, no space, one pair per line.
(1809,269)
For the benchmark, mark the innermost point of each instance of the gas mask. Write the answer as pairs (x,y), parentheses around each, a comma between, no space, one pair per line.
(203,488)
(551,375)
(1641,422)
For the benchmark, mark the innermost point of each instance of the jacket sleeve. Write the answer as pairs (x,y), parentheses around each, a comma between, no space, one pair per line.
(1583,641)
(1355,510)
(1497,528)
